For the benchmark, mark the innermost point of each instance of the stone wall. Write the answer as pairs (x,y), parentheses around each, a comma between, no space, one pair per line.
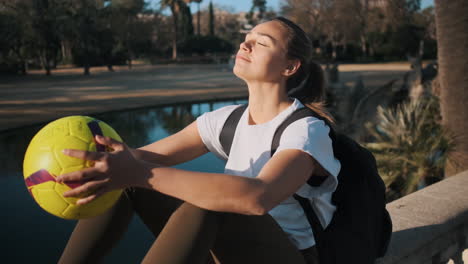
(430,225)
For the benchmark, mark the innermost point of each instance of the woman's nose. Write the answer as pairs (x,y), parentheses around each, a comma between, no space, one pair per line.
(245,46)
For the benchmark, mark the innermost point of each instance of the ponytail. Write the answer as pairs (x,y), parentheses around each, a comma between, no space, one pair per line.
(308,86)
(308,83)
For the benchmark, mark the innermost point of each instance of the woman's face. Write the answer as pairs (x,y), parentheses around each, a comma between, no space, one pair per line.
(262,55)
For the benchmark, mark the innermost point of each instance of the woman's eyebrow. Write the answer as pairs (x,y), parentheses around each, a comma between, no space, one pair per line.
(262,34)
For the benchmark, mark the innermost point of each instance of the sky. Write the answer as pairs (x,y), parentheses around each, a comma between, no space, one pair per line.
(244,5)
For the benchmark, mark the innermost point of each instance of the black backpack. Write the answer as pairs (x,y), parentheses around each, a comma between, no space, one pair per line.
(360,229)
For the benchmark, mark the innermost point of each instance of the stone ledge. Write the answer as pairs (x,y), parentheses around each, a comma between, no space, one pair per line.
(430,225)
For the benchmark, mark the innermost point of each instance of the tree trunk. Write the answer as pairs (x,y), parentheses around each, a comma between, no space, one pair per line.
(130,57)
(452,39)
(198,19)
(45,63)
(211,19)
(128,44)
(23,61)
(174,37)
(62,49)
(363,45)
(86,69)
(86,63)
(47,70)
(334,52)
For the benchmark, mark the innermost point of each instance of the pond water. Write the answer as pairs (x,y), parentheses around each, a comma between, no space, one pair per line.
(31,235)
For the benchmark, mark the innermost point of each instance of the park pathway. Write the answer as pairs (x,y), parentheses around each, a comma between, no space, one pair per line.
(35,98)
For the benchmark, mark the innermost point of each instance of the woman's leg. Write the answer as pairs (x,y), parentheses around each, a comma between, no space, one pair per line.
(254,239)
(311,255)
(187,237)
(191,232)
(154,208)
(93,238)
(188,233)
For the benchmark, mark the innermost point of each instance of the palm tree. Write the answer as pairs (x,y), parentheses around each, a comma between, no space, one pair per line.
(410,146)
(175,6)
(198,12)
(452,36)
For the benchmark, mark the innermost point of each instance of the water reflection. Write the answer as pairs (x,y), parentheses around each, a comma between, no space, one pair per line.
(13,145)
(27,228)
(136,127)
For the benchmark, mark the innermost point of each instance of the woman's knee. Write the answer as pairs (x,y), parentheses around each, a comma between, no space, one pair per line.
(253,239)
(154,208)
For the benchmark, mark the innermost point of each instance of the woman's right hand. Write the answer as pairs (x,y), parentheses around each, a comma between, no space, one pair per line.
(112,170)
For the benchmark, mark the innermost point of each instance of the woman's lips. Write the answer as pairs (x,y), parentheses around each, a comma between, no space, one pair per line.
(242,58)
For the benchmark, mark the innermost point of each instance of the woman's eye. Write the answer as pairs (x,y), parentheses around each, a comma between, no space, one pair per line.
(261,44)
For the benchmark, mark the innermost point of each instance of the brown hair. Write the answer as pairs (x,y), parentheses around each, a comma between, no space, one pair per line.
(308,83)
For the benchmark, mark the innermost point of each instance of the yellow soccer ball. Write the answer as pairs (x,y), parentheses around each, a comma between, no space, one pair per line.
(44,161)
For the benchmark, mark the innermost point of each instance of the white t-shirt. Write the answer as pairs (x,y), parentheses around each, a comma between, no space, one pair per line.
(250,151)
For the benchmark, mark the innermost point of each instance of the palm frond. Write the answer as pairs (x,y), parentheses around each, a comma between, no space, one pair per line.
(409,144)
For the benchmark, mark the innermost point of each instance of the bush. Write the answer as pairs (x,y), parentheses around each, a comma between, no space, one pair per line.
(202,45)
(9,68)
(96,57)
(410,146)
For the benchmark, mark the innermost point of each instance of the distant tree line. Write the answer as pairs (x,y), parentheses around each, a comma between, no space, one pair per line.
(86,33)
(366,30)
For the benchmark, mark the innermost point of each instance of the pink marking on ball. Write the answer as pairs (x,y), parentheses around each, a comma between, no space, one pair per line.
(42,176)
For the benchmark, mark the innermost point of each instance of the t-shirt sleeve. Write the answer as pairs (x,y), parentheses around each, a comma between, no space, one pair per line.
(210,125)
(311,136)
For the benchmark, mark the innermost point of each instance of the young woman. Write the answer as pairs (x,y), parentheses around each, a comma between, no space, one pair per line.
(245,215)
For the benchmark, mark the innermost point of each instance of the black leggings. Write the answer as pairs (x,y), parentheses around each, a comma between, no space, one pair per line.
(185,234)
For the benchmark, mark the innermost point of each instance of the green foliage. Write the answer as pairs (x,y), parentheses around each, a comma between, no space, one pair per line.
(185,22)
(9,31)
(131,7)
(205,44)
(413,5)
(375,30)
(260,5)
(11,37)
(106,32)
(410,146)
(401,41)
(98,55)
(211,19)
(46,17)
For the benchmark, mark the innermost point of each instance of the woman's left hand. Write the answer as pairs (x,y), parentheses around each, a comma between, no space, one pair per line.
(112,170)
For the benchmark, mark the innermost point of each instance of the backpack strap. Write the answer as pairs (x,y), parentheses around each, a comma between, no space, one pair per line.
(296,115)
(312,217)
(305,203)
(229,128)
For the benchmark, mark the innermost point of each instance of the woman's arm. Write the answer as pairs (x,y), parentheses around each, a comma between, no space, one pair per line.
(281,177)
(180,147)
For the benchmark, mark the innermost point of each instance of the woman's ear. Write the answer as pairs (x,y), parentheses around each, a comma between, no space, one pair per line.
(292,67)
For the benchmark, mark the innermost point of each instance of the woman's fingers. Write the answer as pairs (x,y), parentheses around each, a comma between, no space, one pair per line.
(96,180)
(91,197)
(108,141)
(78,176)
(86,200)
(89,188)
(85,155)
